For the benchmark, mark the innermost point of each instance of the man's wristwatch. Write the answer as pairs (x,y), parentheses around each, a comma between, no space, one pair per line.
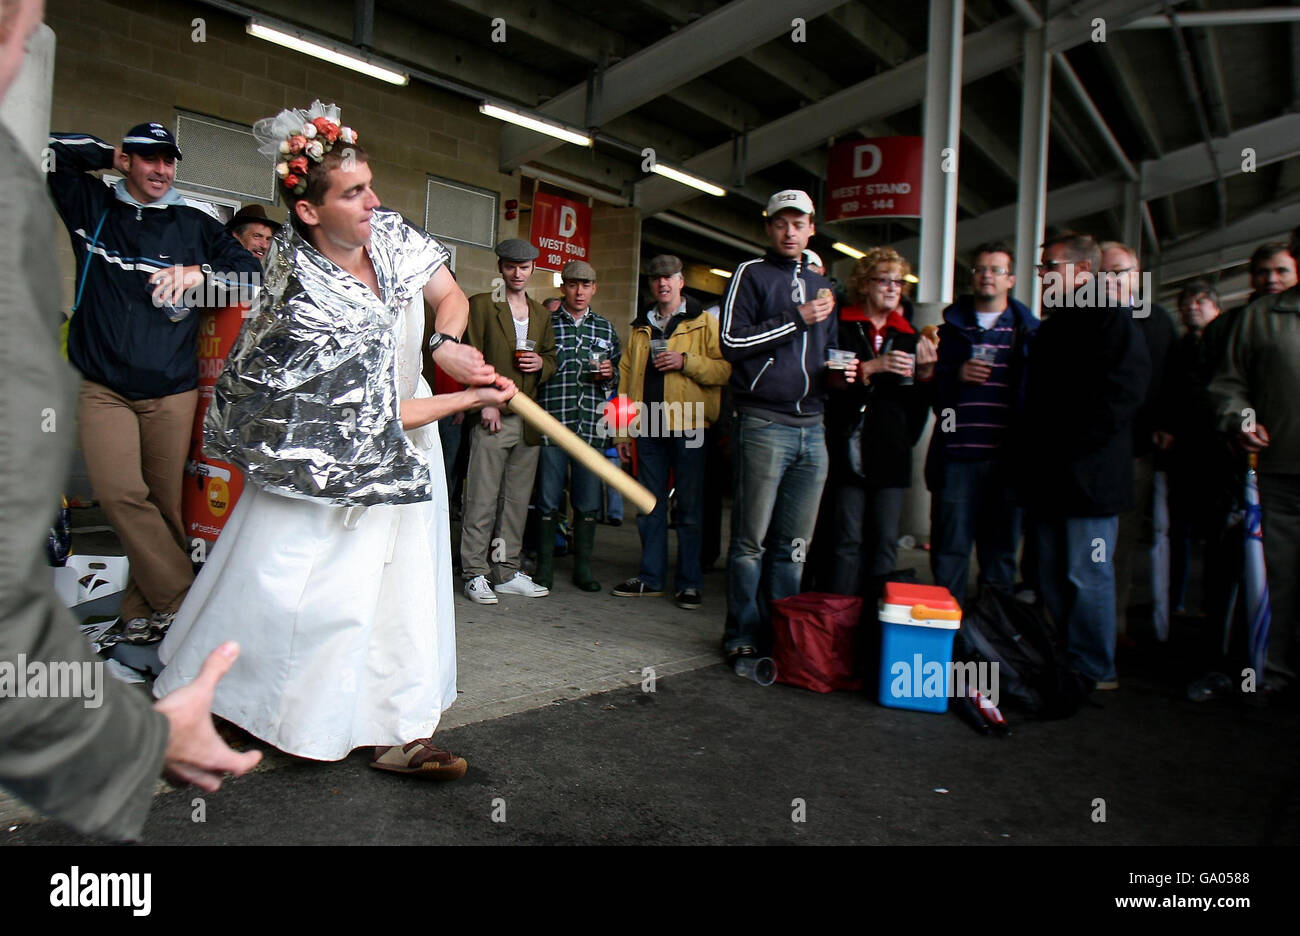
(439,339)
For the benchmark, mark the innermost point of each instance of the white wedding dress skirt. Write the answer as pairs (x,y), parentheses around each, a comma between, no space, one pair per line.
(347,636)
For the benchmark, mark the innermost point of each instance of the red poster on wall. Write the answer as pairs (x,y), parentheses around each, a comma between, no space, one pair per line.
(211,486)
(877,178)
(561,231)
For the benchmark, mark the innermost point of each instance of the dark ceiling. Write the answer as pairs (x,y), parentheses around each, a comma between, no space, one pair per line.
(1243,75)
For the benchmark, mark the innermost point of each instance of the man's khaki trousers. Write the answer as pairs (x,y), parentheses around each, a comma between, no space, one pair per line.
(135,453)
(498,486)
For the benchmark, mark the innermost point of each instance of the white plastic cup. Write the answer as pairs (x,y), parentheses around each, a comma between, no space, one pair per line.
(838,359)
(760,669)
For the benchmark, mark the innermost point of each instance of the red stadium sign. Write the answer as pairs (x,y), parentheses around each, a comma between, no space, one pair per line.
(561,231)
(879,178)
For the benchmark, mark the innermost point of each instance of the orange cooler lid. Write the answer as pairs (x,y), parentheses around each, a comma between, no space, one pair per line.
(931,596)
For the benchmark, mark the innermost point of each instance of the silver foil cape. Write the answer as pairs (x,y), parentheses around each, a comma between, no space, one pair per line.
(307,404)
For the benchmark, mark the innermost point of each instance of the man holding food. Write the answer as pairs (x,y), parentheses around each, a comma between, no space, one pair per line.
(777,328)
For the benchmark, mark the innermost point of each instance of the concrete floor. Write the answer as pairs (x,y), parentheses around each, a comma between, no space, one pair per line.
(711,758)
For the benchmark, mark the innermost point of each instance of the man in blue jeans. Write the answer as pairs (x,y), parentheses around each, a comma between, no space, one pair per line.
(978,392)
(673,374)
(777,325)
(1088,375)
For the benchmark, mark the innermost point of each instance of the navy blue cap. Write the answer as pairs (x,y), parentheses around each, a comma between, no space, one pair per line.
(148,139)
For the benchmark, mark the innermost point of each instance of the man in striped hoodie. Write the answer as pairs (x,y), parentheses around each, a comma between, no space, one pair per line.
(978,389)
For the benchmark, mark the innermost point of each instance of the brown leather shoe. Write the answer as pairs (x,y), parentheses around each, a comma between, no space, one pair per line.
(420,758)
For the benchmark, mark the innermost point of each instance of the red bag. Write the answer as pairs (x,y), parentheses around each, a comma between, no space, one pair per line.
(815,640)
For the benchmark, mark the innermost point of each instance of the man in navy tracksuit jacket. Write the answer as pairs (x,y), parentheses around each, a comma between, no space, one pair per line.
(143,257)
(777,323)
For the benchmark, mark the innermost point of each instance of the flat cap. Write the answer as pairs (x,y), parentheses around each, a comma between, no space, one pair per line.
(516,250)
(665,265)
(578,270)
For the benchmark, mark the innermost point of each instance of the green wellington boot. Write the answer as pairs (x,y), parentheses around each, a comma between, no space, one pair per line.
(584,541)
(545,574)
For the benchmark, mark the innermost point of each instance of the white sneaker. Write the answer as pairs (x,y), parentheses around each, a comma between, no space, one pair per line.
(522,584)
(478,589)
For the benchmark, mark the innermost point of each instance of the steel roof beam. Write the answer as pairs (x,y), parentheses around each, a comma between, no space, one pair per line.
(988,51)
(738,27)
(1182,169)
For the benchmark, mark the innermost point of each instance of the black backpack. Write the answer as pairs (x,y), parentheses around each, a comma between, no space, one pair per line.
(1022,640)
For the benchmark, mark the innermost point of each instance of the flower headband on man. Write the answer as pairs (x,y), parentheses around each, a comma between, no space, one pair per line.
(300,135)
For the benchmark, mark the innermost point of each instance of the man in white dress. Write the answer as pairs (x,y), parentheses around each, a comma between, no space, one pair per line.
(334,570)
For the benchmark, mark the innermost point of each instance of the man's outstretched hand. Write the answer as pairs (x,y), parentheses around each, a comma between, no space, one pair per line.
(195,753)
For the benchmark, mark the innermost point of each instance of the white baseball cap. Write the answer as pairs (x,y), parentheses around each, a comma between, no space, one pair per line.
(811,256)
(790,198)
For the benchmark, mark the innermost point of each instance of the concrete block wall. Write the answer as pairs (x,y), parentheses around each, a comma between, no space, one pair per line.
(615,253)
(120,63)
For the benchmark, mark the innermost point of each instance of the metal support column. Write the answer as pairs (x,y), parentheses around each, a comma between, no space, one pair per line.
(936,252)
(1031,206)
(941,122)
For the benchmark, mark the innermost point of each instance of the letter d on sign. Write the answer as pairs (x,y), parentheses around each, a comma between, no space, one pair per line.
(568,221)
(870,150)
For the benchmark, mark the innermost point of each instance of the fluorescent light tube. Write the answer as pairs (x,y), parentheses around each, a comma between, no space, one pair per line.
(668,172)
(533,123)
(329,53)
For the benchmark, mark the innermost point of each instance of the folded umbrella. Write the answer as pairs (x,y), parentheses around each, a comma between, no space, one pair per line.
(1255,574)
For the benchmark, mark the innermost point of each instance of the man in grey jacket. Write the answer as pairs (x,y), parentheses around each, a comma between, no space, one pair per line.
(1255,390)
(91,760)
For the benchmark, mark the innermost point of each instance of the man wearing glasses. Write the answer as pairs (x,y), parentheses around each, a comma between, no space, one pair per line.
(1086,378)
(1151,425)
(978,388)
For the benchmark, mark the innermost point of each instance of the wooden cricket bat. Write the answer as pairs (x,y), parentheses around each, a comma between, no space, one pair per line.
(593,460)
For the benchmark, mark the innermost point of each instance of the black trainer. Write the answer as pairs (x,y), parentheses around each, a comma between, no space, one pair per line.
(635,588)
(688,598)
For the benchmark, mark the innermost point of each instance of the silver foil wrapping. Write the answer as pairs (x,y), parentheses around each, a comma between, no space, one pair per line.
(307,404)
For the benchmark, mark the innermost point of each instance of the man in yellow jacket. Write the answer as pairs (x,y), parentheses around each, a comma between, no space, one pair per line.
(673,372)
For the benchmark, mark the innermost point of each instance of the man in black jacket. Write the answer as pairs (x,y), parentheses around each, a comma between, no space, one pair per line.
(1151,424)
(1087,375)
(777,325)
(143,258)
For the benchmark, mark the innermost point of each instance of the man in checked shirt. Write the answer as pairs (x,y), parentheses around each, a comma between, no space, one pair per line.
(586,374)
